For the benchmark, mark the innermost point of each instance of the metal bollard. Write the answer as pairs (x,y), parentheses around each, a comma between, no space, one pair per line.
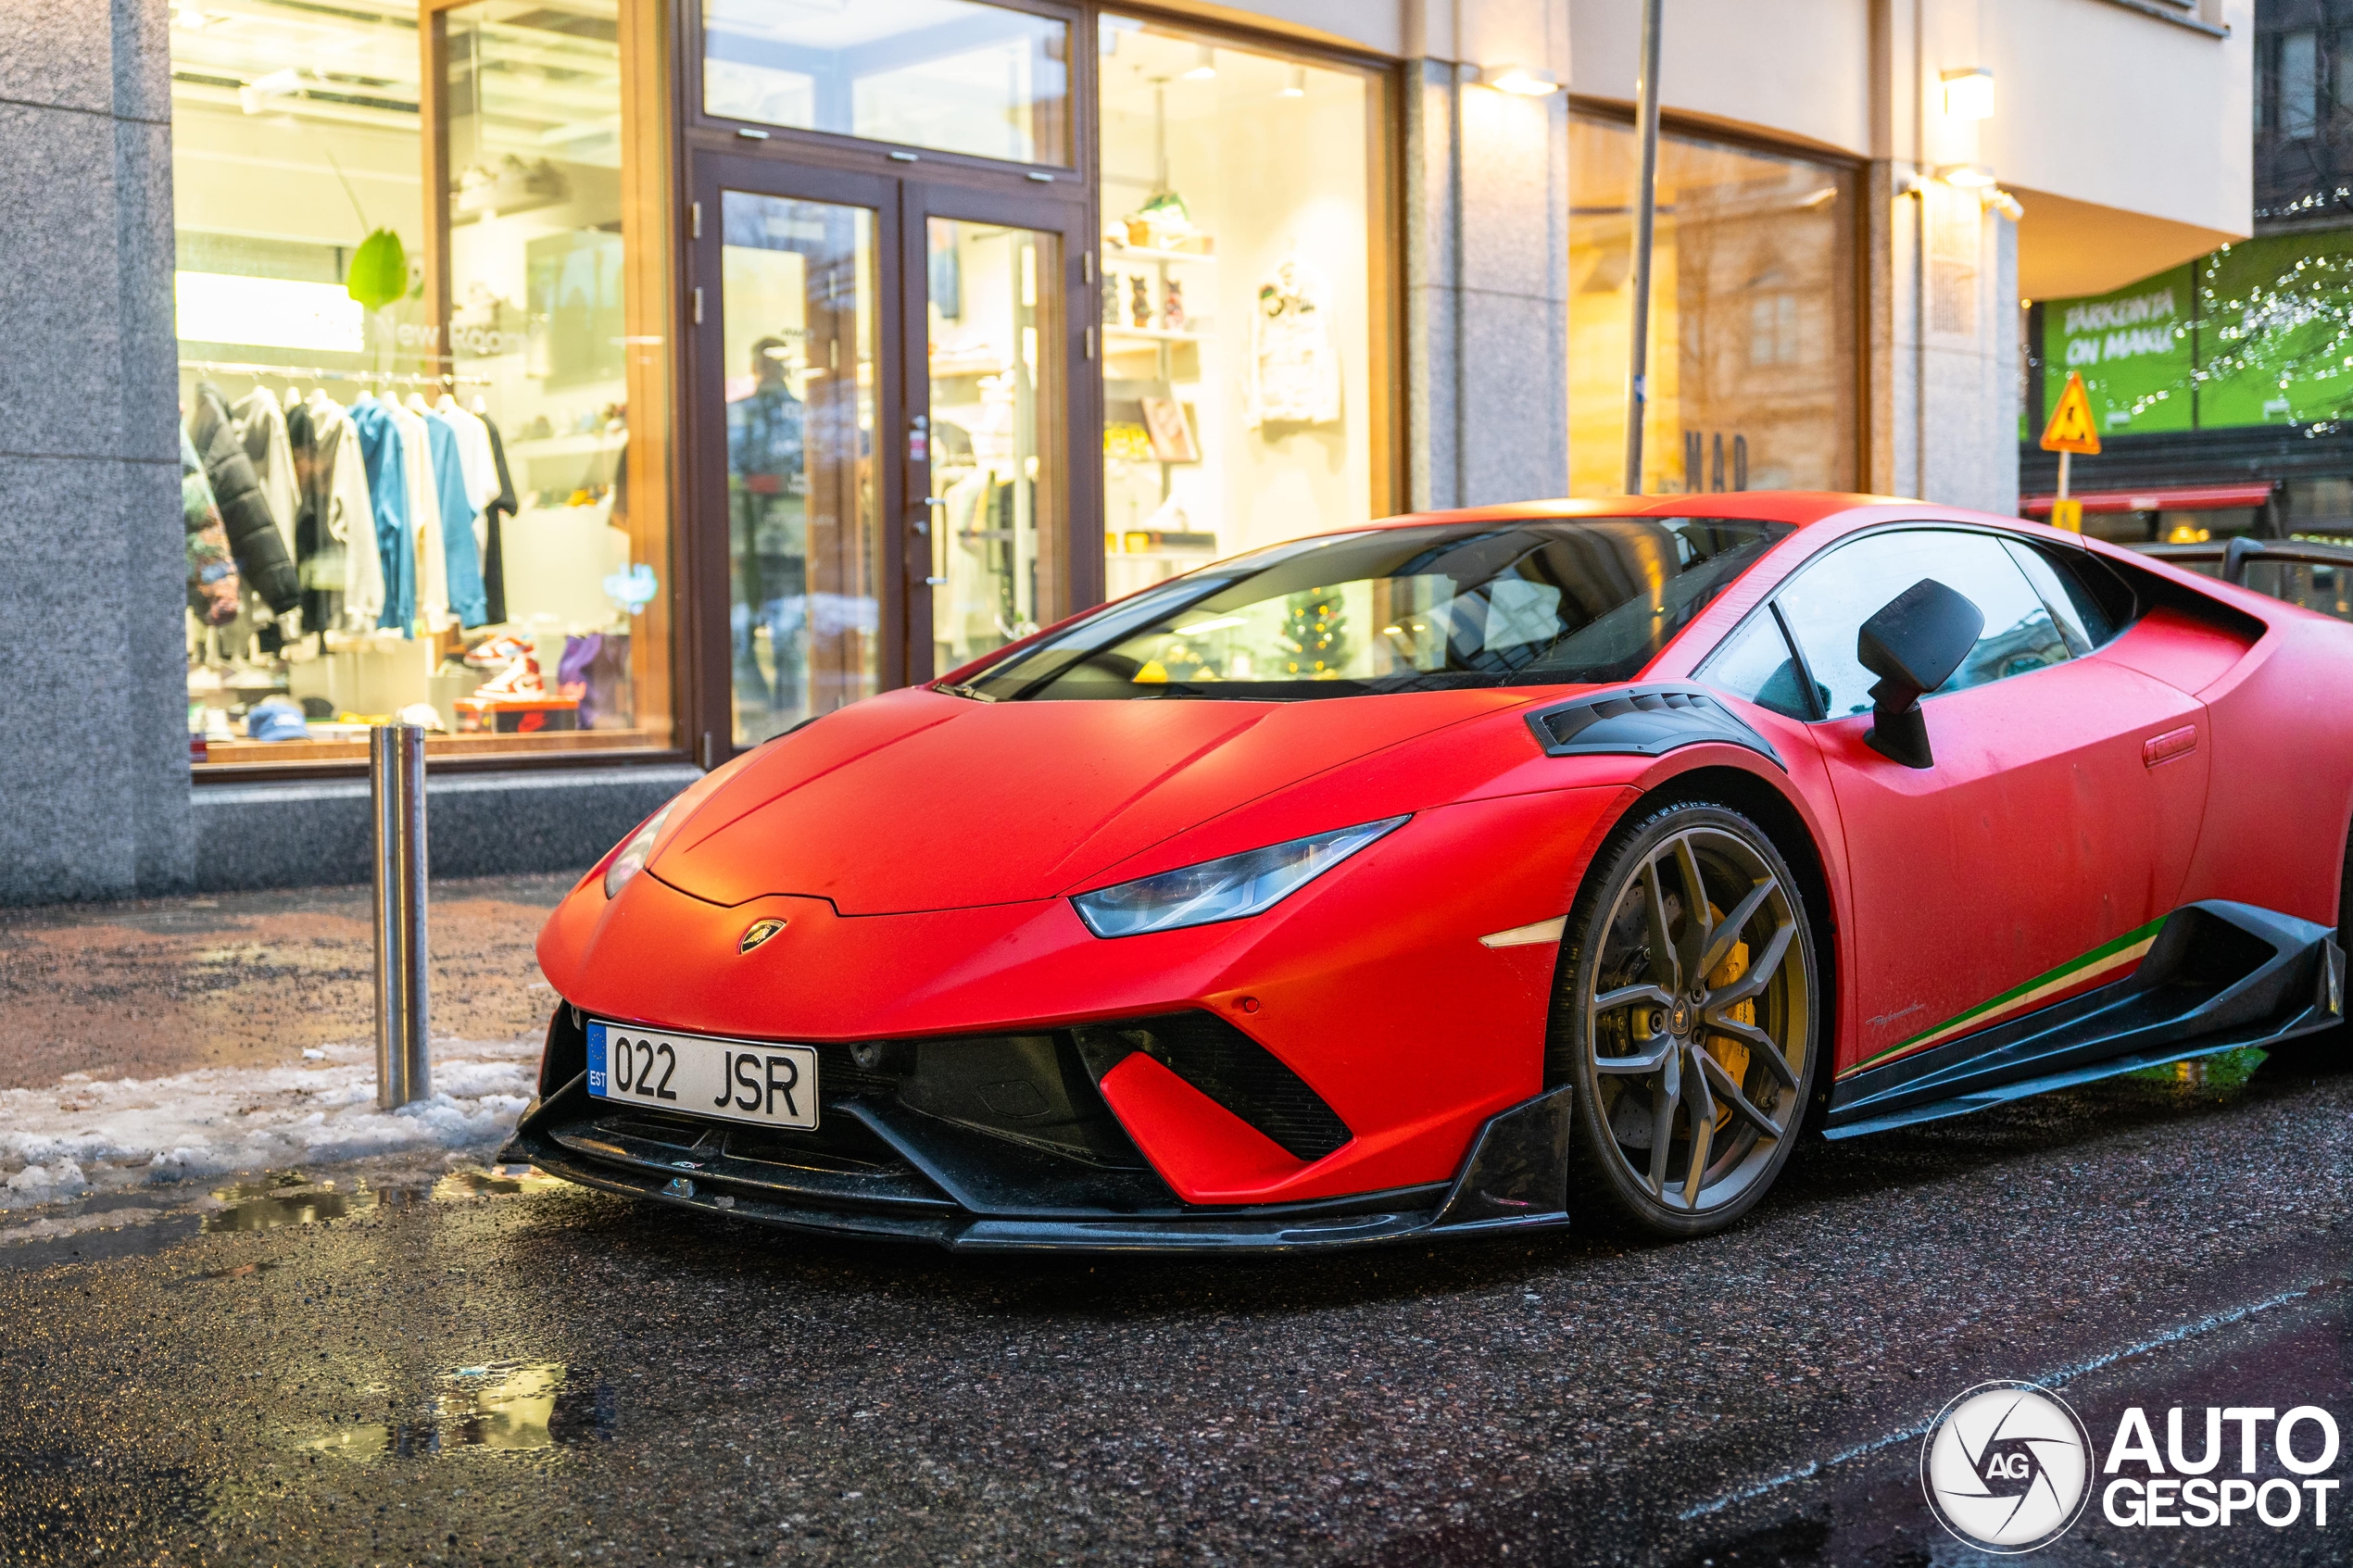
(397,798)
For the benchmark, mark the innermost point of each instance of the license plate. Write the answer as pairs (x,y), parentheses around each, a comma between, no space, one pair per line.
(730,1079)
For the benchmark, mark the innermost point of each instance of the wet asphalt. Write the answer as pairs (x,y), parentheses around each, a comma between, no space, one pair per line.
(403,1364)
(157,987)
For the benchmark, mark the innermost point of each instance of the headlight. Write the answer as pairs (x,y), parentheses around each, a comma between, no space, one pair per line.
(635,853)
(1228,889)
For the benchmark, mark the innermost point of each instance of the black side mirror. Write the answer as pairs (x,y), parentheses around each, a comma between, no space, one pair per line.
(1913,644)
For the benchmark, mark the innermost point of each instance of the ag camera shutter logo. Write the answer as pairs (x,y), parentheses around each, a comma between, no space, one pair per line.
(2007,1467)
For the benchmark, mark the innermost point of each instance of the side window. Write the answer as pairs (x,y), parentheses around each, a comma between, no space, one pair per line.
(1757,663)
(2082,620)
(1828,602)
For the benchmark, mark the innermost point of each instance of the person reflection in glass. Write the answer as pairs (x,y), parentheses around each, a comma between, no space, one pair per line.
(768,530)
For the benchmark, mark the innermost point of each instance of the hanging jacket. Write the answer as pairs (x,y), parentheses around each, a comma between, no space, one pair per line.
(262,425)
(494,511)
(212,576)
(254,539)
(302,441)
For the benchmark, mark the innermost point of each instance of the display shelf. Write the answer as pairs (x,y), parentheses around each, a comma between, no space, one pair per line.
(1152,335)
(220,752)
(1146,253)
(567,446)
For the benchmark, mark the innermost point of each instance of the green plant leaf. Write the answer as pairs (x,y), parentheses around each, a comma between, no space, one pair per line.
(379,271)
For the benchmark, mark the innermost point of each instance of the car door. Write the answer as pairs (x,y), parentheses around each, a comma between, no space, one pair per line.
(2031,858)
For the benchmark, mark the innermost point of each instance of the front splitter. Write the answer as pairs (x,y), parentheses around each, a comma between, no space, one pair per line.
(1513,1178)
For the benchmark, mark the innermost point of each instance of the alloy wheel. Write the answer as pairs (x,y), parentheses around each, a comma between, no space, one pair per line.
(1696,1014)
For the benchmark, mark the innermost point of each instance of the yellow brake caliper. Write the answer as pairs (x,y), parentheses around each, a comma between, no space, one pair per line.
(1729,1054)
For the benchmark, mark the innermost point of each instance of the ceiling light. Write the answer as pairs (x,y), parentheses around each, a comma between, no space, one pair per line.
(1973,176)
(1296,87)
(1526,82)
(1969,92)
(1204,66)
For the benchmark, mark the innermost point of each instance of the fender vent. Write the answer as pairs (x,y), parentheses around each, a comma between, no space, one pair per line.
(1642,720)
(1230,1068)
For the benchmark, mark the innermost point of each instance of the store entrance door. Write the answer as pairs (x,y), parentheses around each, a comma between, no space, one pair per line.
(1008,553)
(883,434)
(788,288)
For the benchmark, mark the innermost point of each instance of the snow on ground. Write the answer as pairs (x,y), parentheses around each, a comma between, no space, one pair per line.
(63,1141)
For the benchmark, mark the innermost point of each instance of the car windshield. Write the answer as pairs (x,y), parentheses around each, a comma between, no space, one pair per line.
(1421,608)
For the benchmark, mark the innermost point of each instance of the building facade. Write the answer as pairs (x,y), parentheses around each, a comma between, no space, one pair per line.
(2222,386)
(614,384)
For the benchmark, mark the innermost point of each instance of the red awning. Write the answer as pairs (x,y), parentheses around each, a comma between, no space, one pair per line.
(2185,498)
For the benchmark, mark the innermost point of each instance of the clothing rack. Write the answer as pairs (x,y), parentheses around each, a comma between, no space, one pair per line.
(315,372)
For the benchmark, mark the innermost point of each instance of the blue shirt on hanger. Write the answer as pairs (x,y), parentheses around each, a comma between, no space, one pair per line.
(381,453)
(468,600)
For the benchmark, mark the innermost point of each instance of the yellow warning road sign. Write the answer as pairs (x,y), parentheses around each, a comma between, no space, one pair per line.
(2071,427)
(2068,514)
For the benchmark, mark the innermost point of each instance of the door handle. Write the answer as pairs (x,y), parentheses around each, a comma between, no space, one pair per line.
(2173,744)
(935,582)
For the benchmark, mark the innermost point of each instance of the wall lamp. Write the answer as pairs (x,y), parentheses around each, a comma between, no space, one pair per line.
(1526,82)
(1968,176)
(1969,92)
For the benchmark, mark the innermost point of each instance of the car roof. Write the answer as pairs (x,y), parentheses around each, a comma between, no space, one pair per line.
(1798,507)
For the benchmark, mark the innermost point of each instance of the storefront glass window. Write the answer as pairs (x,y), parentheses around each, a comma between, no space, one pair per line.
(997,446)
(1752,360)
(1236,311)
(797,317)
(414,332)
(960,77)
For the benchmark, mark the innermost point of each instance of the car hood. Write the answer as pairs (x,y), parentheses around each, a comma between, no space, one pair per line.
(919,801)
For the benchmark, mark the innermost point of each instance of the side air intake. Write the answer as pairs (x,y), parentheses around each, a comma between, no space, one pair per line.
(1230,1068)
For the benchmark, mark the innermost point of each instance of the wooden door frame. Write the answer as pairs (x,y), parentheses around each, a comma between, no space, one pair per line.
(707,644)
(1079,430)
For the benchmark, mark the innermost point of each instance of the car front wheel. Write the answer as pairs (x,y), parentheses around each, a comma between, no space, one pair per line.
(1685,1015)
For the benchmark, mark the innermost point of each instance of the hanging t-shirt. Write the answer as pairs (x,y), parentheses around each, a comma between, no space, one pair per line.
(349,559)
(384,457)
(1294,367)
(461,566)
(473,449)
(424,510)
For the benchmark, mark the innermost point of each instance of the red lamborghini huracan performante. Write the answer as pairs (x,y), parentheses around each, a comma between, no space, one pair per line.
(1466,871)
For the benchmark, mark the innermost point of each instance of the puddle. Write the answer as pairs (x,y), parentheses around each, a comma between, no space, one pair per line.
(265,1185)
(2223,1070)
(512,1407)
(277,1199)
(501,1181)
(265,1205)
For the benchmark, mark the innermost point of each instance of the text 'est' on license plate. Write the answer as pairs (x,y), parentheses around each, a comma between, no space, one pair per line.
(732,1080)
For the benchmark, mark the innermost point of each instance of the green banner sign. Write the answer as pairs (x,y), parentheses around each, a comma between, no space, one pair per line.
(2134,350)
(2276,338)
(2257,333)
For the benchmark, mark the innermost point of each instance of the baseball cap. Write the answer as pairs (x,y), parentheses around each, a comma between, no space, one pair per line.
(276,718)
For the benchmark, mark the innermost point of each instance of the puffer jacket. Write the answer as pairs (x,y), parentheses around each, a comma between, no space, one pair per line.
(212,576)
(254,539)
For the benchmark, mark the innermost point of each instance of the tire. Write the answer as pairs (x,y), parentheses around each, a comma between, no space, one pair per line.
(1667,1058)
